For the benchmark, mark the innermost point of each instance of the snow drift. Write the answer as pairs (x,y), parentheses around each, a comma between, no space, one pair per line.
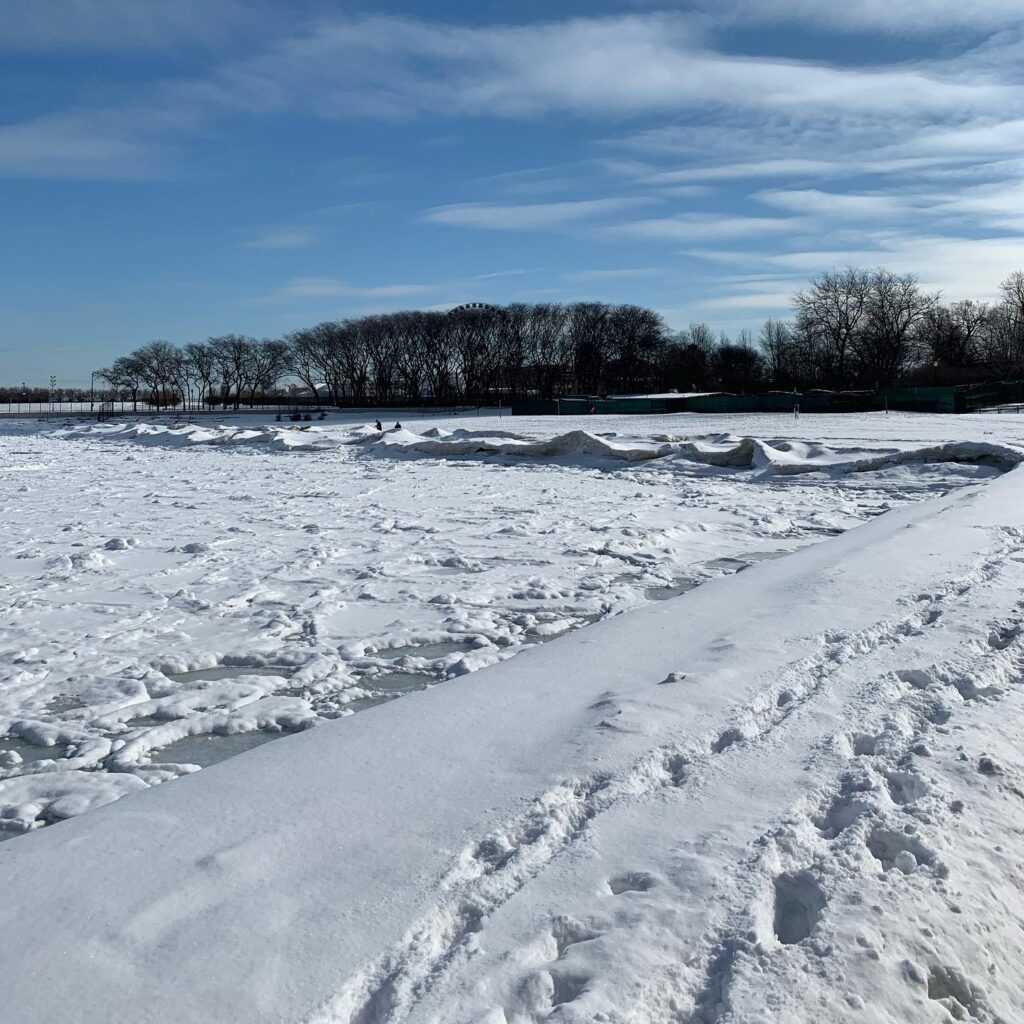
(781,457)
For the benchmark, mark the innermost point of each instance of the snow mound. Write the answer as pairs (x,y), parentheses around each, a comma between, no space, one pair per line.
(288,438)
(781,457)
(461,443)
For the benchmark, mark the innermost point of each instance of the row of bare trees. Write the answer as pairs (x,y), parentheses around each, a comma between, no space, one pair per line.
(229,370)
(480,354)
(851,328)
(871,328)
(464,356)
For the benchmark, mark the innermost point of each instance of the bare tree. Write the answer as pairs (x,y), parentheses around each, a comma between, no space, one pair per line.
(231,355)
(883,344)
(204,368)
(125,375)
(268,362)
(1012,290)
(157,365)
(738,365)
(832,312)
(777,345)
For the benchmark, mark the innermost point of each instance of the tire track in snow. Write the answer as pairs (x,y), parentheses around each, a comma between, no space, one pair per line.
(502,863)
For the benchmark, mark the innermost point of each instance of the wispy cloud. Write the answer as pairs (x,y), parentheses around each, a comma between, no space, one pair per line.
(778,302)
(517,272)
(401,68)
(333,288)
(695,226)
(44,25)
(952,264)
(85,145)
(922,17)
(296,238)
(527,216)
(613,274)
(834,204)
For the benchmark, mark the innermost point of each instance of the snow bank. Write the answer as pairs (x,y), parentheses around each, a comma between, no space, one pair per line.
(781,457)
(462,443)
(284,438)
(769,457)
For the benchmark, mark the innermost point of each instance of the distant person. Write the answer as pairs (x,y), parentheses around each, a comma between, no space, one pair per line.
(379,425)
(398,426)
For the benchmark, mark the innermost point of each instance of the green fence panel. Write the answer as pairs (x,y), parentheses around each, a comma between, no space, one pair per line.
(946,399)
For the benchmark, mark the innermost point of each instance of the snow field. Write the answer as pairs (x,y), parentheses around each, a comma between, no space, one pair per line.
(317,572)
(792,794)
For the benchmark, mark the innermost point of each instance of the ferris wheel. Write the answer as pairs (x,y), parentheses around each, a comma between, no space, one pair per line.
(473,307)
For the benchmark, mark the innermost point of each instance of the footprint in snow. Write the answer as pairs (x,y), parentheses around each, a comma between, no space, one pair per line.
(799,902)
(726,740)
(633,881)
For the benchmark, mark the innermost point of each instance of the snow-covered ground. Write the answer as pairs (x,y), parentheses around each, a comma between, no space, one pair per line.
(785,794)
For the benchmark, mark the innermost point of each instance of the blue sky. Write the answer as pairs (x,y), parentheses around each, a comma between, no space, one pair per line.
(189,168)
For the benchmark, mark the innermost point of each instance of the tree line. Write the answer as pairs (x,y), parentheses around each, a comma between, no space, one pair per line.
(851,328)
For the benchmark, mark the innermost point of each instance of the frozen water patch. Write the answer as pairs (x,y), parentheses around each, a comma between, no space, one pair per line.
(210,748)
(431,651)
(15,752)
(400,682)
(219,672)
(728,564)
(670,590)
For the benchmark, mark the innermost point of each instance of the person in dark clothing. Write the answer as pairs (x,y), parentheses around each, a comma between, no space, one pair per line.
(398,426)
(378,425)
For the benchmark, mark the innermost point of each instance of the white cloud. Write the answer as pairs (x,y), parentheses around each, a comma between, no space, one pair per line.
(613,274)
(526,216)
(909,17)
(696,226)
(517,272)
(795,167)
(956,266)
(44,25)
(297,238)
(834,205)
(83,145)
(759,303)
(399,67)
(333,288)
(403,68)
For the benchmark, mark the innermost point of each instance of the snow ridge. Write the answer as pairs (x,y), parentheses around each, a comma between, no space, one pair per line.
(769,457)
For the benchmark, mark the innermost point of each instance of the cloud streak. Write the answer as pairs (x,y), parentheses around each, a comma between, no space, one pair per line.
(400,68)
(297,238)
(527,216)
(301,288)
(110,25)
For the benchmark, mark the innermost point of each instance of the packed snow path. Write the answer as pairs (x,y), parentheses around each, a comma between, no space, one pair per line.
(794,794)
